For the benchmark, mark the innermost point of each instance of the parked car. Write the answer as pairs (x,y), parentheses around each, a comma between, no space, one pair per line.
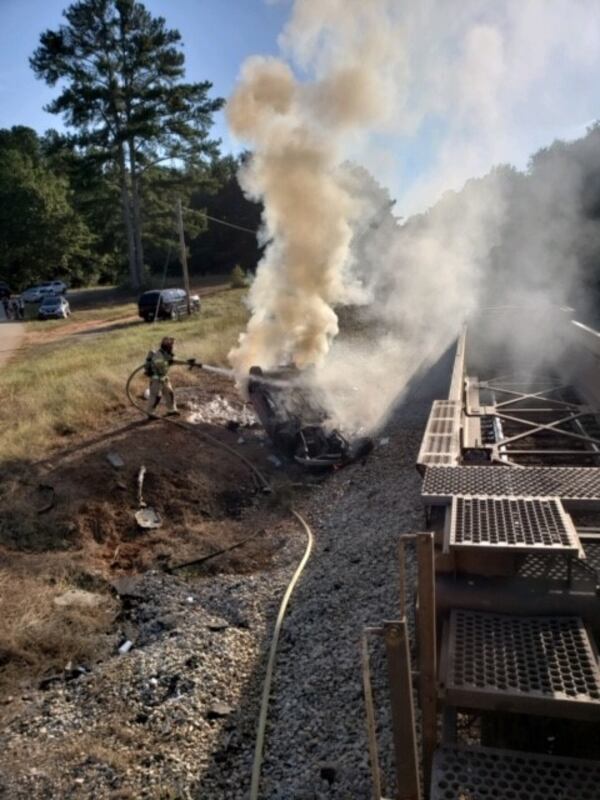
(5,290)
(166,304)
(54,287)
(36,294)
(54,306)
(33,295)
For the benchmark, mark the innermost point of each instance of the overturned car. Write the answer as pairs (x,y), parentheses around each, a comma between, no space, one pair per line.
(297,422)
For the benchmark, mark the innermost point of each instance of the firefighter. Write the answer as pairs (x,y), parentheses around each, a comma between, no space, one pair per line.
(156,368)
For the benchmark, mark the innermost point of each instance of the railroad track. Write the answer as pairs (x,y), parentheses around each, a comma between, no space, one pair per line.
(508,590)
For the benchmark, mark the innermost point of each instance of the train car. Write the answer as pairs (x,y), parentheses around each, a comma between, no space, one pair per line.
(499,672)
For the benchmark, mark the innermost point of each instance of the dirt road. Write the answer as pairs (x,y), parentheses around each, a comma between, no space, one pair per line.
(11,334)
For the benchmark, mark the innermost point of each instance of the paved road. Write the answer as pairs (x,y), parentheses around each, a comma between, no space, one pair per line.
(11,334)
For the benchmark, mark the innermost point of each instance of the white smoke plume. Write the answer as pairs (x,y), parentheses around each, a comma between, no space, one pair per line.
(296,131)
(373,74)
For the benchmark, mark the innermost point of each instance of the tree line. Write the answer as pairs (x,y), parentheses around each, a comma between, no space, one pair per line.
(97,204)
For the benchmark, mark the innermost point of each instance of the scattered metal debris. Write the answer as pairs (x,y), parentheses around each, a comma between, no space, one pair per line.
(115,460)
(44,487)
(146,517)
(219,710)
(202,559)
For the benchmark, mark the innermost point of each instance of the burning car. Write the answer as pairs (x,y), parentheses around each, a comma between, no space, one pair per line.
(297,422)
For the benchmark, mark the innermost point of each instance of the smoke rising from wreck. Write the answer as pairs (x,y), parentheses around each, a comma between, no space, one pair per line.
(331,239)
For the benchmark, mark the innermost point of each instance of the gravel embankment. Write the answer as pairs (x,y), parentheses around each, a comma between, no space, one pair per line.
(147,723)
(316,741)
(318,718)
(176,716)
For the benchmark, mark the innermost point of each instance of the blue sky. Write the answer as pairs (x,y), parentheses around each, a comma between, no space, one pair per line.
(559,95)
(217,36)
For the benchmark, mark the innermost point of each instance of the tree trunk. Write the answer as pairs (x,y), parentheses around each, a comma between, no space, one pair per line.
(128,220)
(137,217)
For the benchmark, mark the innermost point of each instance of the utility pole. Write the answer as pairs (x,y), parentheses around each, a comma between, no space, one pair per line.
(186,277)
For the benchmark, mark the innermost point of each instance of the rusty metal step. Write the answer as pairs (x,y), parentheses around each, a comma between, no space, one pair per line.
(475,773)
(512,524)
(579,486)
(530,665)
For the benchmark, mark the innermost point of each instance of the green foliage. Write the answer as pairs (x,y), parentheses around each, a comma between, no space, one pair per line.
(41,235)
(95,197)
(121,74)
(238,278)
(219,247)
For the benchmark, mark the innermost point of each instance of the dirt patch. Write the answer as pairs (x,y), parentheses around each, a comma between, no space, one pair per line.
(87,507)
(72,525)
(75,328)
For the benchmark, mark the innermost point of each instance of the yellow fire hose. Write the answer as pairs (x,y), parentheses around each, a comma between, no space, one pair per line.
(265,485)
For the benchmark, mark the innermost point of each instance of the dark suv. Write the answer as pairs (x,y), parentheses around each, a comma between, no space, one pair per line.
(166,304)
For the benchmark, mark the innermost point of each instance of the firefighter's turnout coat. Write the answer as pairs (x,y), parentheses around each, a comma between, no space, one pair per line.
(157,369)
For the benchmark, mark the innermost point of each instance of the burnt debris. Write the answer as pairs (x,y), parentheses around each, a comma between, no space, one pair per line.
(297,422)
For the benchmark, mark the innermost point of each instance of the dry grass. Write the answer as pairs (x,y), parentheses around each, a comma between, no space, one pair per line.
(74,385)
(67,385)
(37,636)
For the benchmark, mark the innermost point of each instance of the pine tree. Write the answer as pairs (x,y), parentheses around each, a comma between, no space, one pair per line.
(121,72)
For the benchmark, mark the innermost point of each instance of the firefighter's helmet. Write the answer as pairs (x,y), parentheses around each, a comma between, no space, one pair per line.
(167,344)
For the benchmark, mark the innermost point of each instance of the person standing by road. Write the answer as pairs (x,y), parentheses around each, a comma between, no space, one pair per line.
(156,368)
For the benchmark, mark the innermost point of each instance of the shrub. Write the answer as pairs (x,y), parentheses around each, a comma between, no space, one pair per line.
(238,278)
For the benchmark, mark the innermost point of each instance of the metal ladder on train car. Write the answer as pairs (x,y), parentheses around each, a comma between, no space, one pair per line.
(514,663)
(532,664)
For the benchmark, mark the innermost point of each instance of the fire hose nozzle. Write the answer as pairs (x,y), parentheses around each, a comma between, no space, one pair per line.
(191,362)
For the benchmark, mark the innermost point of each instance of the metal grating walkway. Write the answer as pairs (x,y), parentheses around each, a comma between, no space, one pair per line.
(534,524)
(441,440)
(539,566)
(475,773)
(571,484)
(538,665)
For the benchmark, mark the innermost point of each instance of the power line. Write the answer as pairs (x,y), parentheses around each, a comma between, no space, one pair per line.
(228,224)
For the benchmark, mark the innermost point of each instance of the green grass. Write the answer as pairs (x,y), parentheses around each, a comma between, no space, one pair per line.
(75,384)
